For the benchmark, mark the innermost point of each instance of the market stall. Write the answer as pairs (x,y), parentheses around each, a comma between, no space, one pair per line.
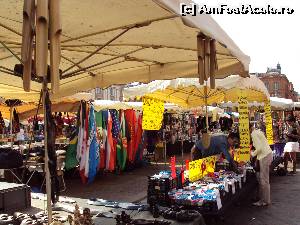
(205,191)
(134,44)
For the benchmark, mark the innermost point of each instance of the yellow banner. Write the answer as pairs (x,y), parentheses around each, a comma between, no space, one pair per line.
(244,151)
(269,123)
(153,111)
(201,167)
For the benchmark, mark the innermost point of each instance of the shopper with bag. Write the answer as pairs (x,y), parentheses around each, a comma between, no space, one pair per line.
(292,137)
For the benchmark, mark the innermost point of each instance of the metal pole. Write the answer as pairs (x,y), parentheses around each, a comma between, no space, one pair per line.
(48,181)
(182,152)
(206,106)
(11,126)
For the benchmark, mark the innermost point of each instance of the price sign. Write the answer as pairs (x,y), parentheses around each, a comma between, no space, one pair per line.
(195,170)
(269,123)
(244,151)
(153,110)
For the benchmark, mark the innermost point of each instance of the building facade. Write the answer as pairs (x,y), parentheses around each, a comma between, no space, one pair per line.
(278,84)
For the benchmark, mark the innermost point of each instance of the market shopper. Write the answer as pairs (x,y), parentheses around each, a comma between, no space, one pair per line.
(263,153)
(218,144)
(292,137)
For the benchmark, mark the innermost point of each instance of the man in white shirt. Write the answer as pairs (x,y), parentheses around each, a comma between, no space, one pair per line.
(263,153)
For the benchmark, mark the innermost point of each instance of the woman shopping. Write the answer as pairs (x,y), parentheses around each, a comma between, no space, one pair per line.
(263,153)
(292,132)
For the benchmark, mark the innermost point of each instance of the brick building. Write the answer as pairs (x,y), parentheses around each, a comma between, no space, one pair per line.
(278,84)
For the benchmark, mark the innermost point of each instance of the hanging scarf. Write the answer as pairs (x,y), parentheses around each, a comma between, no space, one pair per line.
(83,145)
(100,130)
(123,156)
(111,152)
(16,122)
(131,121)
(71,160)
(138,151)
(87,149)
(93,147)
(2,124)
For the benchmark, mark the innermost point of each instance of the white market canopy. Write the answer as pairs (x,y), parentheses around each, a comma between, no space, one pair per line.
(109,104)
(147,40)
(276,103)
(187,92)
(281,103)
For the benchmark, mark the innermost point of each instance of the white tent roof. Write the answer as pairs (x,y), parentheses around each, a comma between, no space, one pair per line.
(282,103)
(231,82)
(277,103)
(108,104)
(160,44)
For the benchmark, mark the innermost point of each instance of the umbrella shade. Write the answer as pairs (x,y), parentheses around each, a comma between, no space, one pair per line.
(189,93)
(28,109)
(5,110)
(146,40)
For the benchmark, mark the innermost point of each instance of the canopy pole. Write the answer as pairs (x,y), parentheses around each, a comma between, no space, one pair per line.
(206,107)
(11,125)
(48,181)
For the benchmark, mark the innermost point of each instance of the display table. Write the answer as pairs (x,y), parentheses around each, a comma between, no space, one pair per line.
(145,215)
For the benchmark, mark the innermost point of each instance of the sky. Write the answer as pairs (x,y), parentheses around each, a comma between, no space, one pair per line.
(267,39)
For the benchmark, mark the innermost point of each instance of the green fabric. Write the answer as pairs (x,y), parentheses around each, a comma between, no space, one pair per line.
(119,155)
(124,148)
(71,160)
(99,120)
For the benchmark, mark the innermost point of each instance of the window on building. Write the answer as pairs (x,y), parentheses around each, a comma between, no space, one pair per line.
(276,86)
(267,85)
(98,90)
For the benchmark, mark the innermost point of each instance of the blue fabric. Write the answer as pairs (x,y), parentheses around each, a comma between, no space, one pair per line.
(116,126)
(218,144)
(94,156)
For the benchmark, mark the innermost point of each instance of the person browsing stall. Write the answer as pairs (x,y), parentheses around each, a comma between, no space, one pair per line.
(218,144)
(264,156)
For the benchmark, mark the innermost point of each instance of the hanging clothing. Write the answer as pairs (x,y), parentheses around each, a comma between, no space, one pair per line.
(86,152)
(123,157)
(51,149)
(93,147)
(110,151)
(71,160)
(16,122)
(82,141)
(131,121)
(100,131)
(2,124)
(138,149)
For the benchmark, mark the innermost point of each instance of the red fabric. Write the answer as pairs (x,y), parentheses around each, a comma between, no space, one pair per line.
(138,137)
(131,121)
(112,158)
